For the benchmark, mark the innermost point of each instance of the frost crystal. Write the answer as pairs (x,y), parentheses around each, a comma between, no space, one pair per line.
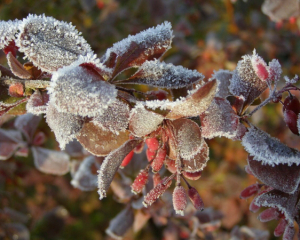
(37,103)
(83,178)
(275,70)
(143,122)
(219,120)
(115,118)
(50,44)
(179,200)
(111,164)
(268,150)
(8,31)
(76,90)
(160,74)
(64,125)
(49,161)
(245,81)
(223,78)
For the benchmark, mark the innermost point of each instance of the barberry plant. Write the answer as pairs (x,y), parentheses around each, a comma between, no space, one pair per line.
(92,101)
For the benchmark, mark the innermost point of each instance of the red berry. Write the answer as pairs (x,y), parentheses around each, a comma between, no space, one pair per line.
(140,181)
(16,90)
(292,103)
(195,198)
(150,154)
(159,159)
(152,143)
(179,199)
(290,119)
(127,159)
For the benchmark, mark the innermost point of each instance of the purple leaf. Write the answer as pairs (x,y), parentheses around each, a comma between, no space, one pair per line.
(111,164)
(7,149)
(98,141)
(268,215)
(50,44)
(27,124)
(50,161)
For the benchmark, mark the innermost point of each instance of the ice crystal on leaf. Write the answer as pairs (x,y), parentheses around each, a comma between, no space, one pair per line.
(160,74)
(49,161)
(223,78)
(8,31)
(100,142)
(268,150)
(64,125)
(245,82)
(111,164)
(275,70)
(260,67)
(37,103)
(219,120)
(135,50)
(76,90)
(83,178)
(50,44)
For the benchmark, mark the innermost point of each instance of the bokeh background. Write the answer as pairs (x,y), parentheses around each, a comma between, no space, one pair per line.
(209,35)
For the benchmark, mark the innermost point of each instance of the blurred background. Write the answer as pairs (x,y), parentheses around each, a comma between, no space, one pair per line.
(209,35)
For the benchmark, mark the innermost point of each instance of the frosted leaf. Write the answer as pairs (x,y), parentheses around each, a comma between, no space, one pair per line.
(260,67)
(284,202)
(83,178)
(27,124)
(197,162)
(64,125)
(50,161)
(98,141)
(188,137)
(179,200)
(268,150)
(5,107)
(142,122)
(120,224)
(282,177)
(7,149)
(160,74)
(133,51)
(5,72)
(74,149)
(195,103)
(10,136)
(50,44)
(223,78)
(245,82)
(111,164)
(219,120)
(115,118)
(16,67)
(8,31)
(275,70)
(10,141)
(279,10)
(76,90)
(37,103)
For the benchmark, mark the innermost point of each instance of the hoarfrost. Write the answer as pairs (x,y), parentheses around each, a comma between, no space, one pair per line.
(98,141)
(267,149)
(83,178)
(219,120)
(16,67)
(75,90)
(160,74)
(64,125)
(50,44)
(223,78)
(111,164)
(37,103)
(49,161)
(115,118)
(143,122)
(275,70)
(8,32)
(245,82)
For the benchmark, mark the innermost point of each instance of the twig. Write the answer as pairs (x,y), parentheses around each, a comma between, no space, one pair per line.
(27,83)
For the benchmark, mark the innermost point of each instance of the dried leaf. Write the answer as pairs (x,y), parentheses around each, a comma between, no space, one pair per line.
(160,74)
(50,44)
(66,127)
(17,68)
(268,150)
(50,161)
(111,164)
(98,141)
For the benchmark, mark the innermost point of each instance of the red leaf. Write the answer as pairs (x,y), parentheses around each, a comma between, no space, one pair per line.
(279,230)
(268,215)
(127,159)
(195,198)
(250,191)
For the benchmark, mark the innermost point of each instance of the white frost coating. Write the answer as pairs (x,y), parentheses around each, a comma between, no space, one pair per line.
(75,90)
(219,120)
(50,44)
(35,104)
(160,74)
(159,37)
(83,177)
(223,78)
(8,31)
(267,149)
(49,161)
(245,82)
(275,70)
(142,121)
(115,118)
(64,125)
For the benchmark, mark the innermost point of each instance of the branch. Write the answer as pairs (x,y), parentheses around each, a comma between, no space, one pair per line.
(27,83)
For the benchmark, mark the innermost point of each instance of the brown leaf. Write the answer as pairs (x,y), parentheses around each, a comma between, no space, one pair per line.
(98,141)
(17,68)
